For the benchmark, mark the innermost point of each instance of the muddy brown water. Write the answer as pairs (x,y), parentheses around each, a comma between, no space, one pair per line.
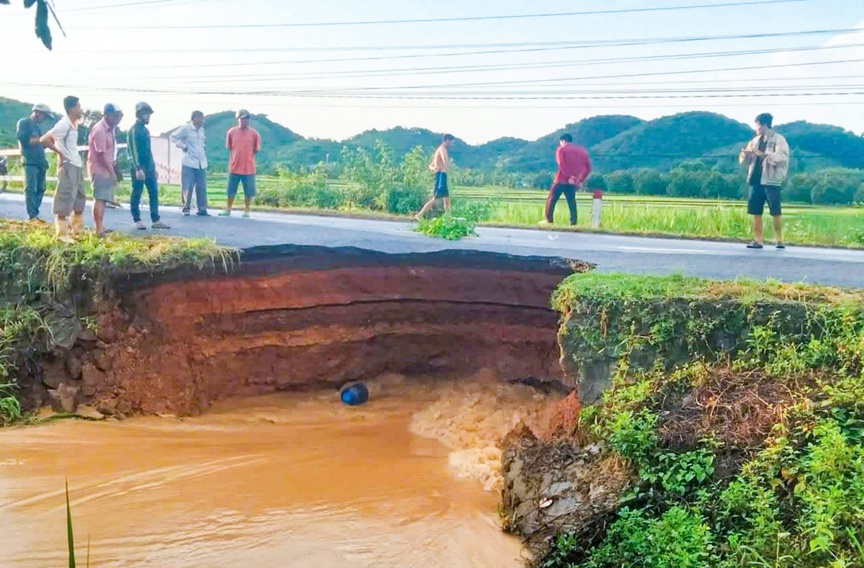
(293,480)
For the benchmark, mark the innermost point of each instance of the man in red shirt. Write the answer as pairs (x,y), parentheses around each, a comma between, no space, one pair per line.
(243,143)
(573,168)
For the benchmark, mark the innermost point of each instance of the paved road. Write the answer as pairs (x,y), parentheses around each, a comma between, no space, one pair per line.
(609,252)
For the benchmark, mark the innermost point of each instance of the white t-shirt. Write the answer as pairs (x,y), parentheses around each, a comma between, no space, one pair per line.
(65,136)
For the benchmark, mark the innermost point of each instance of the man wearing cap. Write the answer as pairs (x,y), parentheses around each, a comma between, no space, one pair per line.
(143,168)
(243,143)
(100,163)
(69,197)
(190,139)
(29,133)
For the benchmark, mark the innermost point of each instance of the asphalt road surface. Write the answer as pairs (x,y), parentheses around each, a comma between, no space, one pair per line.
(610,252)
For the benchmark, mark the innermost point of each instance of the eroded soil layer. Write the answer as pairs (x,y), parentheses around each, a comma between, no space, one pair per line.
(295,317)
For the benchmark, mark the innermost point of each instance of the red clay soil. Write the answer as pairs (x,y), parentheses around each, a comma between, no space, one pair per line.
(178,345)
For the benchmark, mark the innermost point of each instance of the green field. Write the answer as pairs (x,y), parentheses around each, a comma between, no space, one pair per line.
(626,214)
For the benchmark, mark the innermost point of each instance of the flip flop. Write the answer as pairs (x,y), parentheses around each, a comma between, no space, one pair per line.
(780,246)
(755,245)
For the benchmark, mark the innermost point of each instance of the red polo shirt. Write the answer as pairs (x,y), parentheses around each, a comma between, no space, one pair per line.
(573,162)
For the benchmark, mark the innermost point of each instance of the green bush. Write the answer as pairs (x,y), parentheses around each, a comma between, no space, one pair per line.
(447,227)
(380,183)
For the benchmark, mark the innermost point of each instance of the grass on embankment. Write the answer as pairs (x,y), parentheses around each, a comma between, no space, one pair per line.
(37,271)
(738,409)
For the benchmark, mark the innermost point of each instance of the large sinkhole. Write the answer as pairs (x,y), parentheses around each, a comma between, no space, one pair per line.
(289,318)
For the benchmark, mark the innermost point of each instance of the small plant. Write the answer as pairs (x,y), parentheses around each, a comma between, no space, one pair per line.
(70,538)
(447,227)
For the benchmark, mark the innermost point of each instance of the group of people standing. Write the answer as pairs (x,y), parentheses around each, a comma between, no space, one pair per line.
(104,174)
(766,157)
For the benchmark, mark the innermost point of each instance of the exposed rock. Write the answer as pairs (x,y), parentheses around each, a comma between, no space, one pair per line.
(73,366)
(89,412)
(102,360)
(106,409)
(64,399)
(91,379)
(554,486)
(87,335)
(63,325)
(54,373)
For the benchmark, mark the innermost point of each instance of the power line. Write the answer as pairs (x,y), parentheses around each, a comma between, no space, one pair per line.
(389,72)
(556,47)
(461,18)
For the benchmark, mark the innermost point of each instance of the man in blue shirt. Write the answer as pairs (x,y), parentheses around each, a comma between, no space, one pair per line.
(29,132)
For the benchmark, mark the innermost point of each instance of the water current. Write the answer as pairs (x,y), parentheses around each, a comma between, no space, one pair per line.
(289,480)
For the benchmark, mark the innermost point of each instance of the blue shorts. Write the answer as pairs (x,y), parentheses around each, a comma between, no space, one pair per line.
(441,189)
(248,181)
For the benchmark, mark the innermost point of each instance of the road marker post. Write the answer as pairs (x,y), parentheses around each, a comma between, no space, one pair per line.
(596,208)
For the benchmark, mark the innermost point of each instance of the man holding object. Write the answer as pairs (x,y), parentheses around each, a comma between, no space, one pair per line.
(100,164)
(767,156)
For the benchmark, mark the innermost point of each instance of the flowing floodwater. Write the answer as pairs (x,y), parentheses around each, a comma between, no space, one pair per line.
(293,480)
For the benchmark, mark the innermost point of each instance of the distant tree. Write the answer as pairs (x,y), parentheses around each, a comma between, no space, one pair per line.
(837,186)
(651,182)
(542,180)
(596,181)
(43,32)
(721,186)
(686,181)
(621,182)
(799,188)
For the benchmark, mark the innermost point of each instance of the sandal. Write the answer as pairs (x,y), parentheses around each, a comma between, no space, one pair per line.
(755,245)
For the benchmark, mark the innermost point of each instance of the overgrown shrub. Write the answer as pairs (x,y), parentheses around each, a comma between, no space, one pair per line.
(377,181)
(749,452)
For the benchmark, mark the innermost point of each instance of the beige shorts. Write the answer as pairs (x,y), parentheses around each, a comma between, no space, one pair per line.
(69,196)
(104,188)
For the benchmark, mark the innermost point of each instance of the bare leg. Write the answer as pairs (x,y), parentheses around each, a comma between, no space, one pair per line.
(230,203)
(778,229)
(447,204)
(757,229)
(429,204)
(248,203)
(99,216)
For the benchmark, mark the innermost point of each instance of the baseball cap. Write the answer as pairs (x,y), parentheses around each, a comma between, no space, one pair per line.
(243,113)
(111,108)
(43,108)
(142,108)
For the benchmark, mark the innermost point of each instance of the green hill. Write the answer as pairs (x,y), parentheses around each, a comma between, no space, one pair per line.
(842,146)
(539,155)
(669,140)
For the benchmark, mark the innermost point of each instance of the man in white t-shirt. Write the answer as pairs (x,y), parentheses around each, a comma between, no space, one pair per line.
(69,196)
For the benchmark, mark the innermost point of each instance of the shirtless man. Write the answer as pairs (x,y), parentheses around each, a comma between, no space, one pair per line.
(440,163)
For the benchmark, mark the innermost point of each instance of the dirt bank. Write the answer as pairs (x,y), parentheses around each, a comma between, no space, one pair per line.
(294,317)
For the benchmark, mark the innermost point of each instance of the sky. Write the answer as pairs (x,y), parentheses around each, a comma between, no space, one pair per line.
(322,69)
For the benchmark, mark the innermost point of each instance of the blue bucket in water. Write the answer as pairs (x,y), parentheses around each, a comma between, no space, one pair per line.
(354,394)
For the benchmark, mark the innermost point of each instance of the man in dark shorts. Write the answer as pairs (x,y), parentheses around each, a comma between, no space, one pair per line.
(440,164)
(573,169)
(29,132)
(767,156)
(243,143)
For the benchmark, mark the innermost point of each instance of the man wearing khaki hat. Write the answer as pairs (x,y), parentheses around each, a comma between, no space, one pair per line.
(29,132)
(243,143)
